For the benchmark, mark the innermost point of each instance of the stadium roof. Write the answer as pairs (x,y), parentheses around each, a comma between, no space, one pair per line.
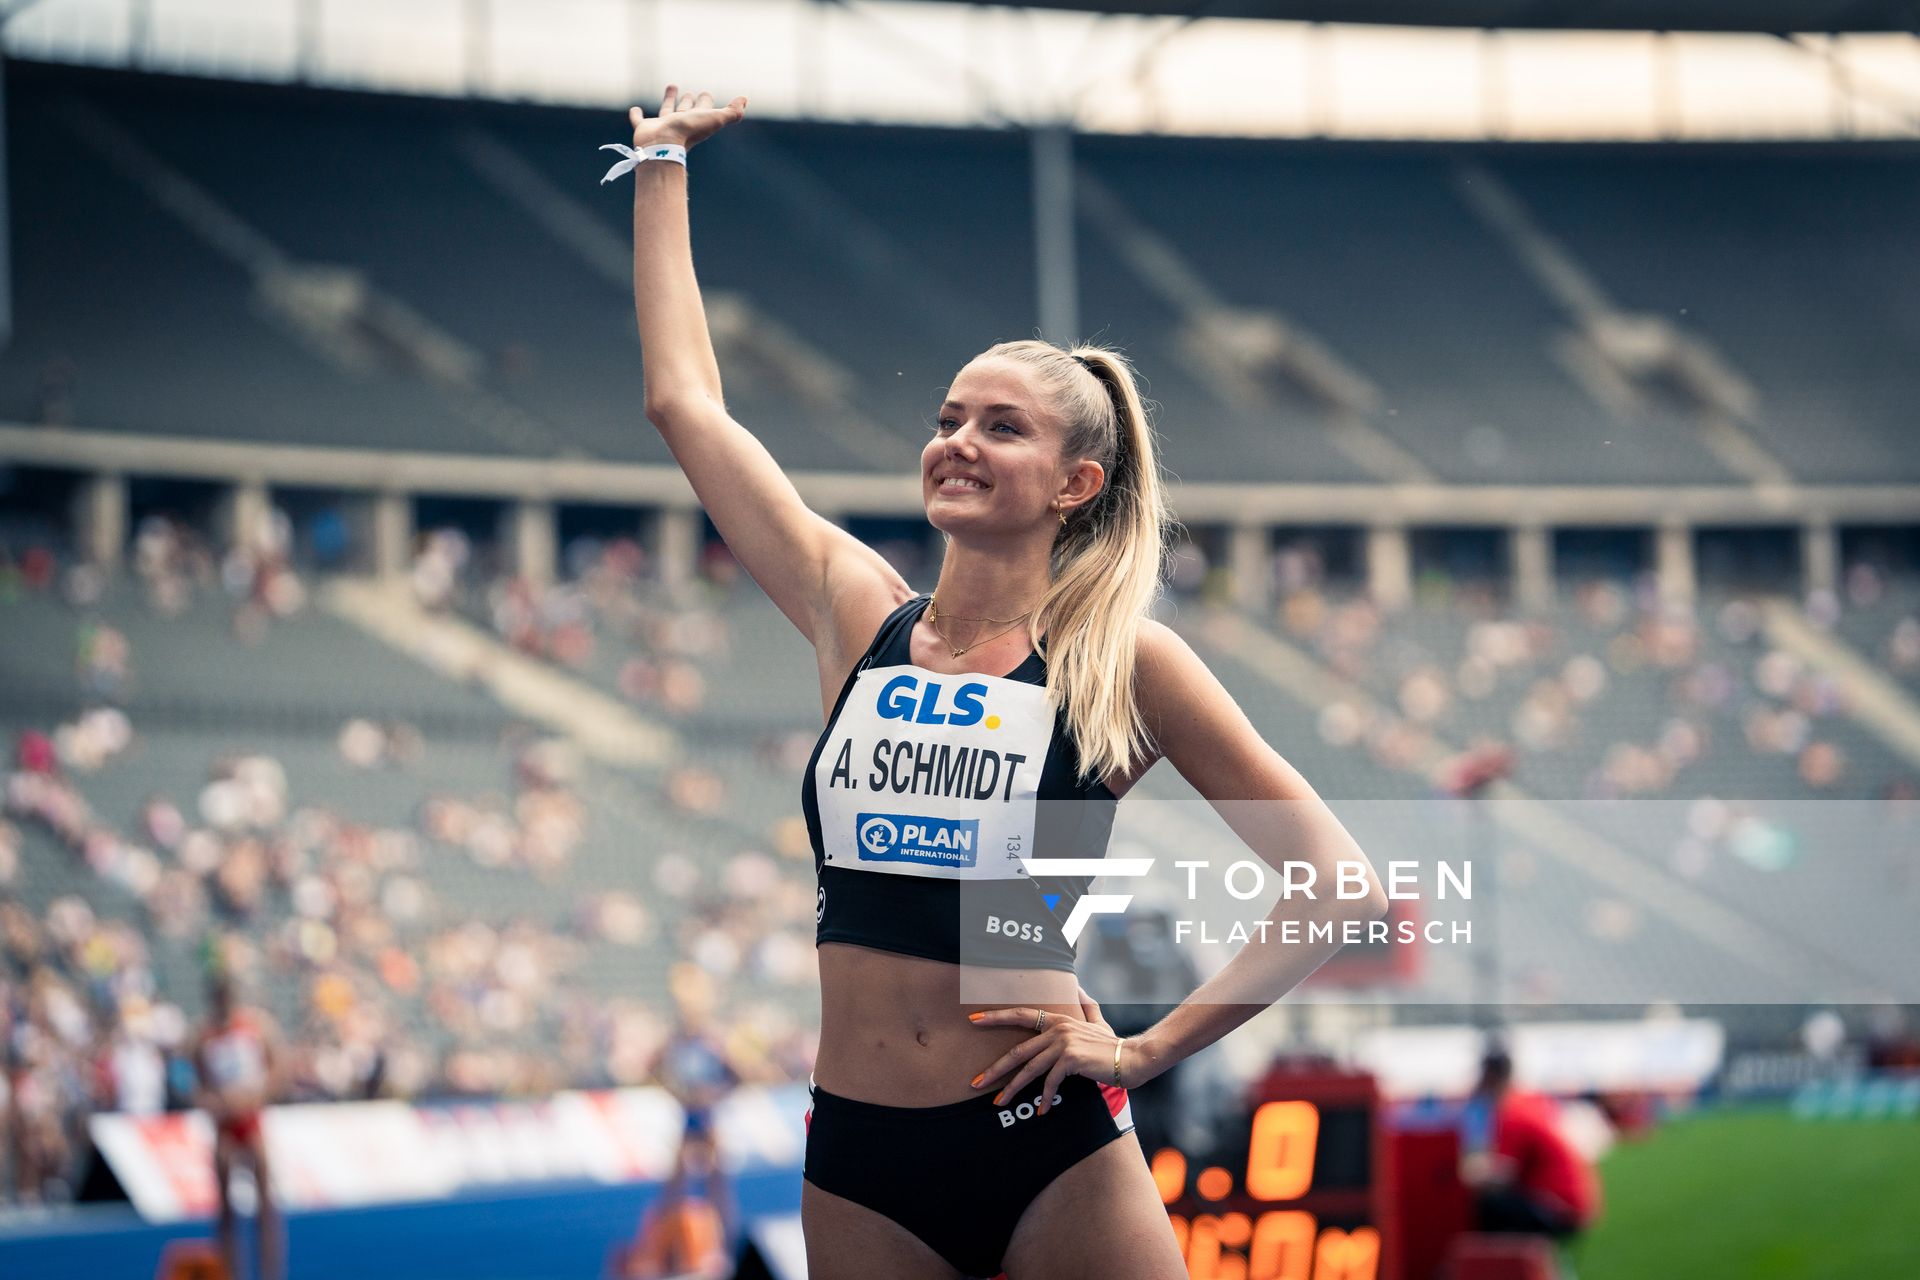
(1586,15)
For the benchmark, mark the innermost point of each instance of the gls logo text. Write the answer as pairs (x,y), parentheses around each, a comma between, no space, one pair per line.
(1090,904)
(902,698)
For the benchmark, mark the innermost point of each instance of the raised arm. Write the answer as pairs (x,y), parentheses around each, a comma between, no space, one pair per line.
(804,562)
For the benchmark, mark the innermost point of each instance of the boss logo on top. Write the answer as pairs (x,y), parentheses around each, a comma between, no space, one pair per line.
(934,775)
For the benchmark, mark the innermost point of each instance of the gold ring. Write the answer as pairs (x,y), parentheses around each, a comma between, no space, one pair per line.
(1040,1022)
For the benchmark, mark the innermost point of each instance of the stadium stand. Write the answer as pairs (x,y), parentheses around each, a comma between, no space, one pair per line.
(850,296)
(434,897)
(1787,266)
(181,350)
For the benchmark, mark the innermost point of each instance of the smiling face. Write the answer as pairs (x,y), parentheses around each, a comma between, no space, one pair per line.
(994,462)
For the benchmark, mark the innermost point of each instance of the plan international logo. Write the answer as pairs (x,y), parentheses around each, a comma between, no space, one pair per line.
(902,837)
(1090,904)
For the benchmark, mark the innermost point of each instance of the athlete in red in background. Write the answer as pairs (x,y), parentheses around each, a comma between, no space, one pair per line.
(1526,1177)
(236,1059)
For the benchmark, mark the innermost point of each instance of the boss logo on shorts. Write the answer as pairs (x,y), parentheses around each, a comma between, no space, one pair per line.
(900,837)
(1019,930)
(1011,1116)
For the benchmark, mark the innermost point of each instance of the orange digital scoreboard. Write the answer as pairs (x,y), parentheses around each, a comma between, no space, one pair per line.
(1295,1192)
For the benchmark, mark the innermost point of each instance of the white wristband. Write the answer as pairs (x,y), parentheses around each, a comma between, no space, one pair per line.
(634,159)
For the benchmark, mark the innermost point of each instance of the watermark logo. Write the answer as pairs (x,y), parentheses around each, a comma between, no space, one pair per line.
(1090,904)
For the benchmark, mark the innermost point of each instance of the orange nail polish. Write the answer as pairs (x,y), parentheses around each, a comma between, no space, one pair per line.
(975,1017)
(1000,1097)
(977,1079)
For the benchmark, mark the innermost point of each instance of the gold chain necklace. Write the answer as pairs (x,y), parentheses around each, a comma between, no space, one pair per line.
(933,611)
(933,621)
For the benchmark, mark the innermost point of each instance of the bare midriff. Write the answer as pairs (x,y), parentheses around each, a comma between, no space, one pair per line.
(893,1029)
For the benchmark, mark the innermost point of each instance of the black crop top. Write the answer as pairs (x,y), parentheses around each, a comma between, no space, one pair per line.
(923,794)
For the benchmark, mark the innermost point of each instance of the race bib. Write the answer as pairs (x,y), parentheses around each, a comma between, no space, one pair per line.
(936,775)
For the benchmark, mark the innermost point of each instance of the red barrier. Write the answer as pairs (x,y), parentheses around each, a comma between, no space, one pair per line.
(1475,1257)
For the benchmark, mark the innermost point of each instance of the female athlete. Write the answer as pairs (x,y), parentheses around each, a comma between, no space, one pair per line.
(950,1138)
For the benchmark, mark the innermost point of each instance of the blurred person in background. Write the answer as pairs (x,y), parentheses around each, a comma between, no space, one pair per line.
(37,1100)
(238,1062)
(1526,1176)
(689,1231)
(695,1068)
(131,1065)
(1891,1042)
(682,1233)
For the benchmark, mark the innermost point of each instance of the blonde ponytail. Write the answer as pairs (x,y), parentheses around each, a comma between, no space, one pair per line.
(1109,560)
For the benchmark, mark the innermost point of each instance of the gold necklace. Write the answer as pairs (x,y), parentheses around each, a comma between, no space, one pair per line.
(933,611)
(932,621)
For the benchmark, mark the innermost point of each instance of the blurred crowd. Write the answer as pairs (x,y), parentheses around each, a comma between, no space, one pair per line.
(1566,681)
(454,954)
(393,973)
(175,564)
(604,615)
(391,979)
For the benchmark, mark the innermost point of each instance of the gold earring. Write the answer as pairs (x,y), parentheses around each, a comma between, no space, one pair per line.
(1061,514)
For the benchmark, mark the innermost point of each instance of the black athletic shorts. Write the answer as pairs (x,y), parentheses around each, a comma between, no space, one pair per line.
(959,1176)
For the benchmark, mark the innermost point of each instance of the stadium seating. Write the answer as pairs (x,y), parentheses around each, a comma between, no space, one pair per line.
(1787,265)
(603,923)
(860,248)
(705,859)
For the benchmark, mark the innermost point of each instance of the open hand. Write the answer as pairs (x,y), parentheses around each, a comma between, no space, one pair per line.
(684,118)
(1063,1047)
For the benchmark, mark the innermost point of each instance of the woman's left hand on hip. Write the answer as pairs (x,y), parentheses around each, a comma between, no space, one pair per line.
(1062,1047)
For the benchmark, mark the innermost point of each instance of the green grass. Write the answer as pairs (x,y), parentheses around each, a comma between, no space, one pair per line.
(1758,1195)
